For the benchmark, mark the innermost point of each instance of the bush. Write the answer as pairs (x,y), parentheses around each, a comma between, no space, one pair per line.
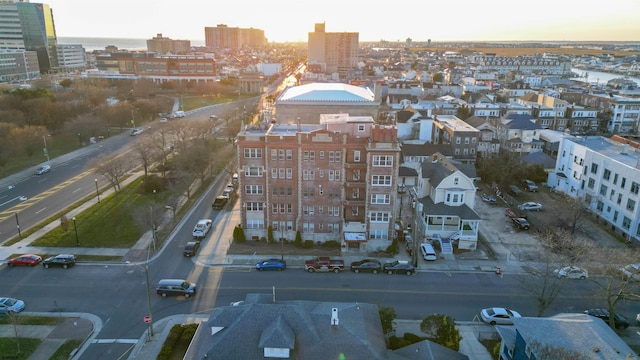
(436,245)
(298,241)
(188,332)
(170,342)
(397,343)
(307,244)
(441,329)
(393,248)
(332,244)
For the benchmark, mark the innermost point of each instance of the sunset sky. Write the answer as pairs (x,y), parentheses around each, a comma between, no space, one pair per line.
(292,20)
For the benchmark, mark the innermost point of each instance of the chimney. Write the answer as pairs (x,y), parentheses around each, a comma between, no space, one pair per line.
(334,317)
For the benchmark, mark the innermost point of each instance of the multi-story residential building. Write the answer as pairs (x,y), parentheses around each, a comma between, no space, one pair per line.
(523,64)
(582,120)
(461,137)
(223,36)
(603,173)
(163,45)
(333,52)
(625,114)
(330,181)
(520,134)
(18,66)
(488,143)
(169,68)
(71,57)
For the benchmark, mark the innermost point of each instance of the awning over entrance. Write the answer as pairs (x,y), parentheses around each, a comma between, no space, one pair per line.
(355,236)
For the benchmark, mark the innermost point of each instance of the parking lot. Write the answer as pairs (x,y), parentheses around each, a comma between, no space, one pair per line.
(506,242)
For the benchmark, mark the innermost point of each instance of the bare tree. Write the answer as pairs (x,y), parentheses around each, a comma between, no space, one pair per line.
(146,152)
(113,168)
(573,221)
(160,140)
(613,286)
(544,285)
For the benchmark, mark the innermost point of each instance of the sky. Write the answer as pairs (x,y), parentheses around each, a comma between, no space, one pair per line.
(374,20)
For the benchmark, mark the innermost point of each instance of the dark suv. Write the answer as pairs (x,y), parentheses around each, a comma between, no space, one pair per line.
(620,321)
(63,260)
(191,248)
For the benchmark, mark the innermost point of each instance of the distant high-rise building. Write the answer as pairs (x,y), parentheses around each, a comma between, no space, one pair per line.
(163,45)
(223,36)
(71,57)
(333,52)
(39,33)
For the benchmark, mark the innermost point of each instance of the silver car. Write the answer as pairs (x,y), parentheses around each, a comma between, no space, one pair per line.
(43,169)
(10,305)
(572,272)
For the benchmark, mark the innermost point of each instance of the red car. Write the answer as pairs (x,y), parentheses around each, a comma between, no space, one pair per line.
(25,260)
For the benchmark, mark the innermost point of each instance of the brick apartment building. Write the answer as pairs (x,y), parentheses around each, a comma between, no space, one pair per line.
(329,181)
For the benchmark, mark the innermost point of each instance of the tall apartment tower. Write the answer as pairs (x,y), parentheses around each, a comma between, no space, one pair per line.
(223,36)
(39,33)
(332,52)
(333,181)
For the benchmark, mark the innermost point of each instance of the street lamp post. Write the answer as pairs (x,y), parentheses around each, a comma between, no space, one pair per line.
(133,119)
(76,230)
(97,191)
(46,151)
(18,225)
(146,273)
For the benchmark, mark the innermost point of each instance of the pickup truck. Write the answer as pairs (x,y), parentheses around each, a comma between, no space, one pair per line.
(324,264)
(219,202)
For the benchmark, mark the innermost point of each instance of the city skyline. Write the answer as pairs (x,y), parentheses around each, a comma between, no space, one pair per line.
(374,20)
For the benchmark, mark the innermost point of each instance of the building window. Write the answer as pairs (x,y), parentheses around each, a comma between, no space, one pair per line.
(466,141)
(255,224)
(380,198)
(281,154)
(274,173)
(631,205)
(250,153)
(289,173)
(305,156)
(252,171)
(289,154)
(254,206)
(623,182)
(591,183)
(379,217)
(253,189)
(594,168)
(619,199)
(456,180)
(381,180)
(607,174)
(356,156)
(274,154)
(360,127)
(603,190)
(321,155)
(634,187)
(289,210)
(615,179)
(382,161)
(281,173)
(355,193)
(356,175)
(378,235)
(354,211)
(312,155)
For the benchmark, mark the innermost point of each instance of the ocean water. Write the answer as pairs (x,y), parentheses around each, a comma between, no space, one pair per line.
(91,44)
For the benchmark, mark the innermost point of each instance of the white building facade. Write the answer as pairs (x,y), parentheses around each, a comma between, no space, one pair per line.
(605,176)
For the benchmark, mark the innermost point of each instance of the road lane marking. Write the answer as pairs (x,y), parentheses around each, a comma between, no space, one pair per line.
(114,341)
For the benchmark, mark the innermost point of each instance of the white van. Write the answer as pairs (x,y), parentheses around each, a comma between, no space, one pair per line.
(428,252)
(180,114)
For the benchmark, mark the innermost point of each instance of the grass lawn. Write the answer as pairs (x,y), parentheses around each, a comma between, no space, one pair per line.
(30,320)
(194,102)
(18,350)
(115,222)
(490,345)
(65,350)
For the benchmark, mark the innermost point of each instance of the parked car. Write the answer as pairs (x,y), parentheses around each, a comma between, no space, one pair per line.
(398,267)
(134,132)
(572,272)
(164,120)
(366,265)
(219,202)
(202,228)
(43,169)
(428,252)
(175,287)
(530,206)
(530,185)
(271,264)
(190,248)
(631,271)
(620,321)
(63,260)
(25,260)
(520,223)
(515,191)
(498,316)
(10,305)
